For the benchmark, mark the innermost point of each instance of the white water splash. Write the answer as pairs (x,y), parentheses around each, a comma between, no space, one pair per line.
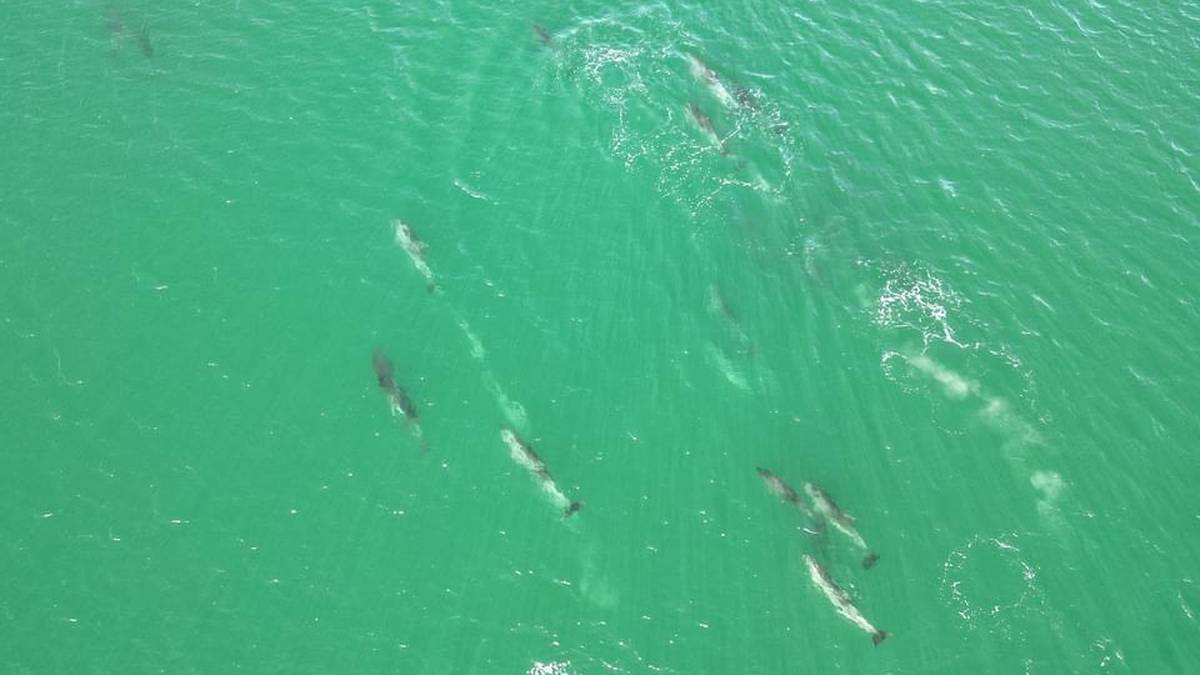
(551,668)
(637,84)
(920,301)
(1050,486)
(991,586)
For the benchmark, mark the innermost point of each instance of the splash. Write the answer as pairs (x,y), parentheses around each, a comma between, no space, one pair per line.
(920,301)
(1050,486)
(551,668)
(639,84)
(992,587)
(955,385)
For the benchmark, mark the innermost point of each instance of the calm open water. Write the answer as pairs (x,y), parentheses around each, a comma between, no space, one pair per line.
(938,258)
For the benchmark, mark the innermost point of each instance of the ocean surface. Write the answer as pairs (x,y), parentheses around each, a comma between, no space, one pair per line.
(937,259)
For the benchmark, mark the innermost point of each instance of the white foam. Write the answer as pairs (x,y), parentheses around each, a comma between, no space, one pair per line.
(551,668)
(1049,483)
(918,300)
(955,385)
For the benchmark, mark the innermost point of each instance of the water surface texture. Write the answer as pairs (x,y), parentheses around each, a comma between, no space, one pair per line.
(937,258)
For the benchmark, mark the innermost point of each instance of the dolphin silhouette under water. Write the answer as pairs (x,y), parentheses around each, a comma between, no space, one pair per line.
(705,123)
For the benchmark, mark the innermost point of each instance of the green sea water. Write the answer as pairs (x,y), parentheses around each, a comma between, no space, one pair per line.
(936,257)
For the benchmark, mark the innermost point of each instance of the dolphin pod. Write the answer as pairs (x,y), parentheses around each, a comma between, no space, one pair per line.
(813,502)
(823,509)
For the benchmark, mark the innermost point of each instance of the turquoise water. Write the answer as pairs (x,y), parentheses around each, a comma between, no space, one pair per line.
(945,269)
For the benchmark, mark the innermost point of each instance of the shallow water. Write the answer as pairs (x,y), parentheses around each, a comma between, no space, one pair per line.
(944,269)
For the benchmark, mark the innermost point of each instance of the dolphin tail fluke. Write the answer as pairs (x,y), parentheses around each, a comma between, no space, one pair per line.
(879,636)
(570,510)
(869,562)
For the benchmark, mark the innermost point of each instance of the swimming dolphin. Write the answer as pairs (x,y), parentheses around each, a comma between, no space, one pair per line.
(841,520)
(523,454)
(398,400)
(143,39)
(840,599)
(709,78)
(543,35)
(415,248)
(781,489)
(776,486)
(719,307)
(705,123)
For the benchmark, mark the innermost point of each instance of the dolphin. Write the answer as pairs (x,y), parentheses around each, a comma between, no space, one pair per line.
(840,599)
(843,521)
(719,307)
(709,78)
(523,454)
(398,399)
(543,35)
(113,21)
(143,39)
(777,486)
(415,248)
(705,123)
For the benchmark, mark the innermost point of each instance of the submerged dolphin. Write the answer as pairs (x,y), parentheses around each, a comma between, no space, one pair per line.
(543,35)
(114,22)
(841,520)
(705,123)
(841,600)
(143,39)
(719,307)
(415,248)
(523,454)
(709,78)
